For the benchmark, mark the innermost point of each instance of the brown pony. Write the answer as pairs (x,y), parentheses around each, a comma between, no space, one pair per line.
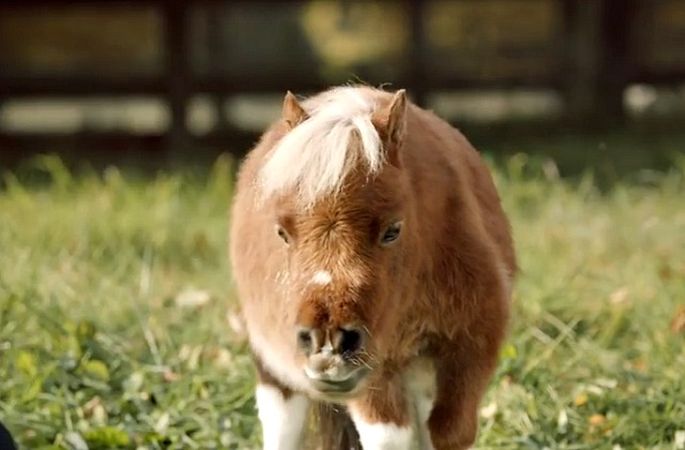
(374,266)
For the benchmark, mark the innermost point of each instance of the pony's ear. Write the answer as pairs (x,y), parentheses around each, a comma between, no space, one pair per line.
(293,113)
(390,121)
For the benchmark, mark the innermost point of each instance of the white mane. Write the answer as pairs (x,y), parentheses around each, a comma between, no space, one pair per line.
(316,155)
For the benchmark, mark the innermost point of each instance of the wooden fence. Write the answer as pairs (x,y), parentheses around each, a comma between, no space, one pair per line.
(599,49)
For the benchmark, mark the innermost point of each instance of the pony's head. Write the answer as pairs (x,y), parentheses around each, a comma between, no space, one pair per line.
(342,212)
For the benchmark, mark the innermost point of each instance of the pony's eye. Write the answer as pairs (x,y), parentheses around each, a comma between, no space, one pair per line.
(283,234)
(391,233)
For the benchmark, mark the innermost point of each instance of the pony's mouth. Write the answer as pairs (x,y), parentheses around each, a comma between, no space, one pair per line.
(338,386)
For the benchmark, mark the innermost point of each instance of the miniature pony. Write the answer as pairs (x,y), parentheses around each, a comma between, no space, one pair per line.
(374,266)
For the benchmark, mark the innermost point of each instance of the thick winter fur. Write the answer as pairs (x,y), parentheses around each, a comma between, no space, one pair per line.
(314,199)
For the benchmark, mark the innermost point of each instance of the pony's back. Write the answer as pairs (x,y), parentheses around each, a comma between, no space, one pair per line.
(455,155)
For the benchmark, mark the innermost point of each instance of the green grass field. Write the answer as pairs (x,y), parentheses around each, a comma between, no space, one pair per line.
(117,318)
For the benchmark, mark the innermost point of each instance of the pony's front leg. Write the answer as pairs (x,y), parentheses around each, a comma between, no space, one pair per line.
(282,413)
(462,377)
(381,416)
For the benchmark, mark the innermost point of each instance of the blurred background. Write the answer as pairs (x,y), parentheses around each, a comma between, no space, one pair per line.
(152,82)
(122,124)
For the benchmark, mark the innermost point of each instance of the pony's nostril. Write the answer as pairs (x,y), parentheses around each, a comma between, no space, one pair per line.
(304,340)
(350,341)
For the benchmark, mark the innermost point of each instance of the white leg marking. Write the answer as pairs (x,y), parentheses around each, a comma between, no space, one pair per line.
(282,419)
(383,436)
(322,278)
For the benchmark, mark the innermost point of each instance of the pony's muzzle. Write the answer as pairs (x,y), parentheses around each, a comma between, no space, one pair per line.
(332,362)
(340,341)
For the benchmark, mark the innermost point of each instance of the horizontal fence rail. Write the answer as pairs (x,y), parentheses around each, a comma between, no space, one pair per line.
(596,62)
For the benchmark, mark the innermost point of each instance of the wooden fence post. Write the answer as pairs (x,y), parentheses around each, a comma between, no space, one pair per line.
(417,45)
(217,51)
(616,61)
(177,75)
(597,58)
(582,20)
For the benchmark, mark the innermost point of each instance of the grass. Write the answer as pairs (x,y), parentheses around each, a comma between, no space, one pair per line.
(116,308)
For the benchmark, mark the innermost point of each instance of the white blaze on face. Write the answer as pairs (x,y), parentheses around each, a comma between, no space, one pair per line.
(322,278)
(282,419)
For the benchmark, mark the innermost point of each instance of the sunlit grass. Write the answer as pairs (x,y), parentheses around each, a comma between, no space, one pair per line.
(115,306)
